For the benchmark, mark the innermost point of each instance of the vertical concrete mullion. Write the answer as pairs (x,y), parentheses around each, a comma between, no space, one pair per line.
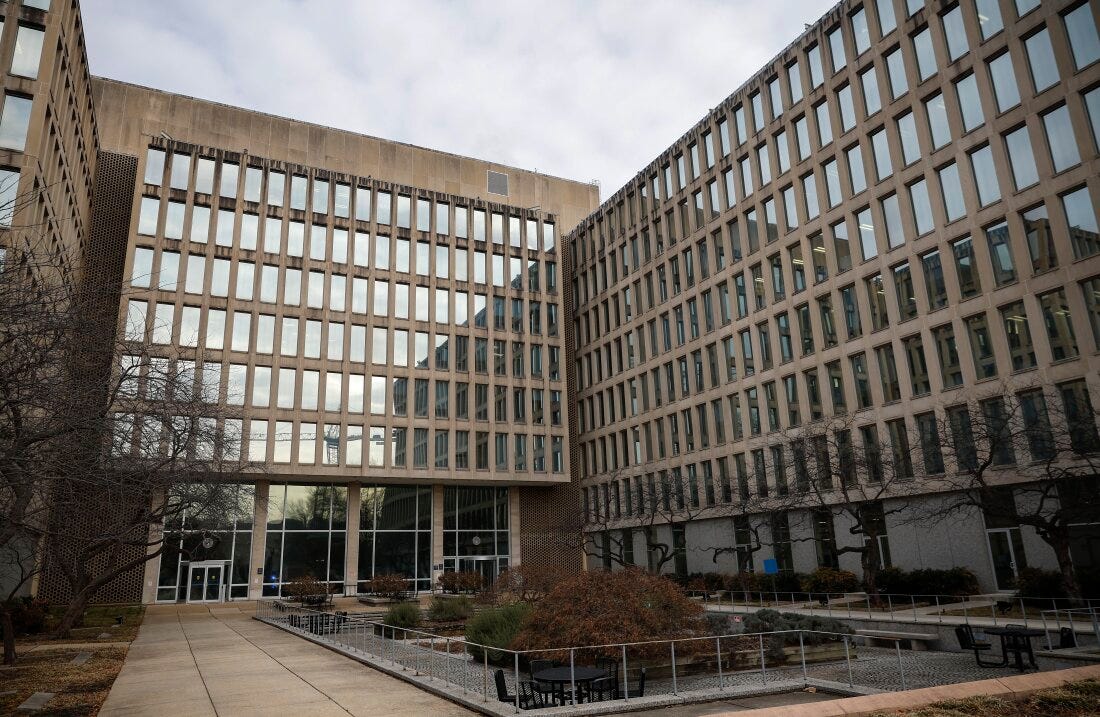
(351,542)
(259,541)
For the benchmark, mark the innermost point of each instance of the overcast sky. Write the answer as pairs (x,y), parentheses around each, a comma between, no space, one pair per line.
(575,88)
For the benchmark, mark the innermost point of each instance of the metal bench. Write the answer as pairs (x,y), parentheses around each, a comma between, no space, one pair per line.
(912,640)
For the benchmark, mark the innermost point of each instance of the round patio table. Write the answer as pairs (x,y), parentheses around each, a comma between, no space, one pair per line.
(560,677)
(1023,636)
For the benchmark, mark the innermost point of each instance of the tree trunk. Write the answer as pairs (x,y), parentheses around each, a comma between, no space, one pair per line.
(1060,544)
(869,561)
(9,637)
(73,615)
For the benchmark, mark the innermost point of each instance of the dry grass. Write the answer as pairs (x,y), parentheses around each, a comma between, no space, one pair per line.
(80,689)
(1076,699)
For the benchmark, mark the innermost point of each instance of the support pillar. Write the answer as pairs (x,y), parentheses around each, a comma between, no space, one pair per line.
(437,533)
(351,541)
(515,556)
(259,541)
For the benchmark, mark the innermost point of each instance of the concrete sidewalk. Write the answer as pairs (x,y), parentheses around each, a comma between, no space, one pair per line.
(225,663)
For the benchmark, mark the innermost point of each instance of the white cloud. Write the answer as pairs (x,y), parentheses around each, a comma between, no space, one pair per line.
(585,90)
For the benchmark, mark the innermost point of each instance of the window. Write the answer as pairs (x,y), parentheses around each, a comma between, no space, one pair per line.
(1040,240)
(860,32)
(981,346)
(1020,348)
(880,146)
(907,297)
(872,102)
(891,214)
(886,20)
(967,274)
(824,124)
(876,300)
(1003,76)
(1040,58)
(926,55)
(858,178)
(1021,158)
(1081,220)
(985,175)
(867,242)
(1091,290)
(14,122)
(951,192)
(895,69)
(970,102)
(1060,139)
(1059,325)
(989,17)
(1000,254)
(836,49)
(1083,39)
(936,110)
(847,108)
(933,280)
(28,52)
(948,354)
(910,146)
(955,33)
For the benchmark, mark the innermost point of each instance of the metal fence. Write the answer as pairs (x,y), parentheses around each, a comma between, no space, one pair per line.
(1073,618)
(698,668)
(895,607)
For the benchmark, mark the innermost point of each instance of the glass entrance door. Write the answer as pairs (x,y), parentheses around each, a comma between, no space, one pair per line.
(486,567)
(205,582)
(1004,545)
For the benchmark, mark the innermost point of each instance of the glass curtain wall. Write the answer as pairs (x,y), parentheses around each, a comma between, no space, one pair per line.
(219,528)
(395,533)
(306,535)
(475,530)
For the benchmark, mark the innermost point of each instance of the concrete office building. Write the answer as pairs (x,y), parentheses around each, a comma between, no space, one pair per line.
(895,216)
(429,354)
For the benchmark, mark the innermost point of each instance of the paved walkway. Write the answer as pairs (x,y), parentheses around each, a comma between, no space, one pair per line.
(226,663)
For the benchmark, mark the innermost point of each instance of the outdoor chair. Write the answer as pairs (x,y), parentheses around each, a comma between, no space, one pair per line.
(638,691)
(529,698)
(967,642)
(546,691)
(606,688)
(1067,638)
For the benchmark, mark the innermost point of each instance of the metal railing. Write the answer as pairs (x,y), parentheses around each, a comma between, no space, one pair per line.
(1071,618)
(898,607)
(706,666)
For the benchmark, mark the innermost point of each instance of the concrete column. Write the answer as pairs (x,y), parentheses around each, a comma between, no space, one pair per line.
(437,532)
(351,551)
(152,566)
(259,541)
(514,551)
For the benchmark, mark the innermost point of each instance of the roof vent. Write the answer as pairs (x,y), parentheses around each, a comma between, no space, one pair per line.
(498,183)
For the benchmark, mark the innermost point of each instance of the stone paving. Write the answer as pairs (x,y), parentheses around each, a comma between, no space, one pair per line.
(200,664)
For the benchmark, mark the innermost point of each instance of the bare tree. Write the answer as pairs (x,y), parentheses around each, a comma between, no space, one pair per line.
(624,506)
(1023,454)
(90,449)
(834,476)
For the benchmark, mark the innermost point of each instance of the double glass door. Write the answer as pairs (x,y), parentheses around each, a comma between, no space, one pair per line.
(206,582)
(1006,551)
(486,567)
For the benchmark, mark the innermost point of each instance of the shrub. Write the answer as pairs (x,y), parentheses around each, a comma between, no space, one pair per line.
(495,627)
(1037,583)
(304,587)
(388,586)
(450,609)
(406,614)
(786,582)
(598,608)
(828,580)
(461,582)
(28,615)
(927,581)
(526,583)
(774,621)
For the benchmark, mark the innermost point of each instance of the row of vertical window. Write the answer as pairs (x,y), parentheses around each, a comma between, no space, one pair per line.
(396,254)
(784,274)
(334,392)
(183,171)
(780,469)
(336,444)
